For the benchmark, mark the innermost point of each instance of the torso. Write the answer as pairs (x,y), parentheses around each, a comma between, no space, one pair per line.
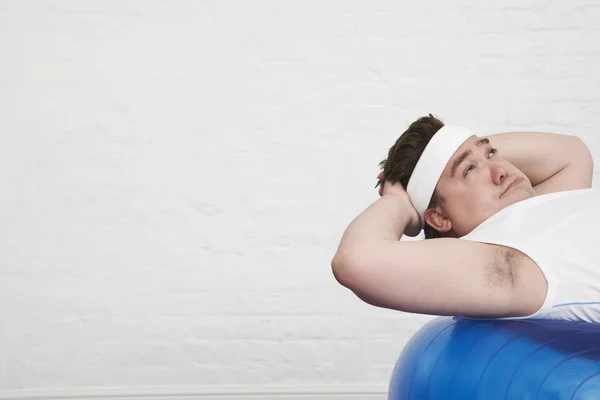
(546,247)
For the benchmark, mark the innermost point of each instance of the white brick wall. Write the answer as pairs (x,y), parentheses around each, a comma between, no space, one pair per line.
(176,176)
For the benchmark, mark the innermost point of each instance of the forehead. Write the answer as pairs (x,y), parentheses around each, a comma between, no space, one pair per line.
(469,144)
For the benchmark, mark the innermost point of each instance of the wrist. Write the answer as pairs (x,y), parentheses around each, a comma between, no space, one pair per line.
(400,197)
(406,212)
(397,213)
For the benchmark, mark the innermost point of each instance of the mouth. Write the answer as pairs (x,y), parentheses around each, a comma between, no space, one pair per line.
(512,185)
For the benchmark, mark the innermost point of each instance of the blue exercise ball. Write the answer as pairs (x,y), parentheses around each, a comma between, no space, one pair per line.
(460,358)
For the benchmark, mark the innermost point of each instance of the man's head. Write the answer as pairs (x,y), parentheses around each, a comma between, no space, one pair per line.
(472,187)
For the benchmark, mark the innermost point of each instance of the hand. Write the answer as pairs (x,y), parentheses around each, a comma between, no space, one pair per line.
(388,188)
(380,179)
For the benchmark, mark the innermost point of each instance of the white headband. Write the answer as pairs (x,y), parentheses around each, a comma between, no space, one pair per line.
(431,164)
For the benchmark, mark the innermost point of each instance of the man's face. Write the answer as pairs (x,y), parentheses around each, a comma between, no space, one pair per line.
(476,183)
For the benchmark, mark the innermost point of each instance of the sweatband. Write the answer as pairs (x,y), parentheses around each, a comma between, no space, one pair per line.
(431,164)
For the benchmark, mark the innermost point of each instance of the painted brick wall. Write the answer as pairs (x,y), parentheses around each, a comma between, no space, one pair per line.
(176,175)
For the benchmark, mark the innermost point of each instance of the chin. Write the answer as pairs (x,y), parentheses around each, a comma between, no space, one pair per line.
(517,194)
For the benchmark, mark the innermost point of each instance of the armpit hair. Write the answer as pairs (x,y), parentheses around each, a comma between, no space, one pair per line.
(502,272)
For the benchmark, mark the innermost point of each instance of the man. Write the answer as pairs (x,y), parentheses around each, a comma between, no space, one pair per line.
(504,217)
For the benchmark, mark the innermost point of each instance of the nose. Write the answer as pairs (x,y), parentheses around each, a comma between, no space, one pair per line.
(499,173)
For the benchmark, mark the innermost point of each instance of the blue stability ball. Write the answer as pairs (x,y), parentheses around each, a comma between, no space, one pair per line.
(458,358)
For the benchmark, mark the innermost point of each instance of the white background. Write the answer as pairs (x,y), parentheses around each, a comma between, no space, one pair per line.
(176,175)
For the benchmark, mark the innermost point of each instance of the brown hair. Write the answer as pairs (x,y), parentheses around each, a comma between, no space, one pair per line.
(404,154)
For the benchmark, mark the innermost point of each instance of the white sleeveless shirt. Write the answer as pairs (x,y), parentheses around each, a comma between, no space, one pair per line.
(560,232)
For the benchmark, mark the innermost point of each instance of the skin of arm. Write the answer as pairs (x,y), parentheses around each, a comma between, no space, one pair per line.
(411,276)
(552,162)
(386,219)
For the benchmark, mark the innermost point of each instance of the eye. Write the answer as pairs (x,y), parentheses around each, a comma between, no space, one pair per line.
(493,151)
(469,168)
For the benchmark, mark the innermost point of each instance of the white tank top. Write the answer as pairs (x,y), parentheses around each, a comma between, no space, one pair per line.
(560,232)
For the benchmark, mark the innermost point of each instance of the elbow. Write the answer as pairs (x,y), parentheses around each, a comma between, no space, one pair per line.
(347,276)
(351,266)
(339,270)
(343,271)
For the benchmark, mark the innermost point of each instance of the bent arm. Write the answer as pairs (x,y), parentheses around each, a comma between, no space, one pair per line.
(436,276)
(443,277)
(385,219)
(552,162)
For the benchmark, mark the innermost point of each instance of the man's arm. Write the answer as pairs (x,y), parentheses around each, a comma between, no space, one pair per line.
(436,276)
(552,162)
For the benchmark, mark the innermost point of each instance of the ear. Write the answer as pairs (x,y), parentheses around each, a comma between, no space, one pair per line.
(437,219)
